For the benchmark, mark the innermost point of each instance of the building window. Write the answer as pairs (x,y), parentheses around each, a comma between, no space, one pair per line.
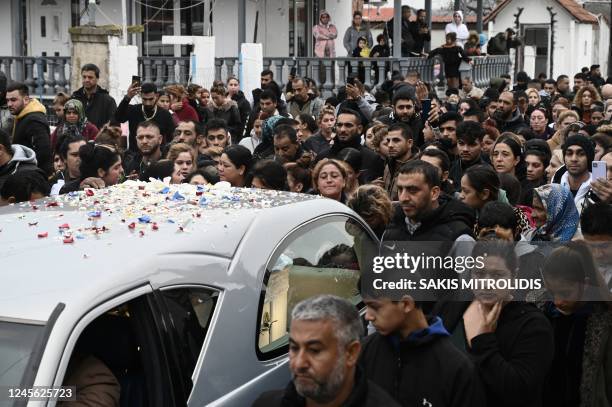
(43,26)
(158,18)
(56,28)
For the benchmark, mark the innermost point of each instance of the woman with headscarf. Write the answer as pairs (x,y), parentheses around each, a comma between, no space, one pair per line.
(265,149)
(459,28)
(74,123)
(554,213)
(324,34)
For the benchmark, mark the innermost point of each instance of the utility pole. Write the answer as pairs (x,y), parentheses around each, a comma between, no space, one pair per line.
(397,29)
(479,16)
(124,22)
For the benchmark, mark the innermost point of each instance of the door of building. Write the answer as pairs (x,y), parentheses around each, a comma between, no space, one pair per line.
(539,39)
(47,25)
(303,15)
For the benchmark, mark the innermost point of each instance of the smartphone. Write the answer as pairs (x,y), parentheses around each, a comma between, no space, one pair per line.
(425,108)
(136,80)
(598,170)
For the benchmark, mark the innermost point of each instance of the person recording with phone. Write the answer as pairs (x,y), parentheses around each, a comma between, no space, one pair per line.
(145,111)
(578,155)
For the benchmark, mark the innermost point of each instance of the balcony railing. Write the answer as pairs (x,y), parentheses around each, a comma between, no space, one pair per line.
(45,76)
(329,73)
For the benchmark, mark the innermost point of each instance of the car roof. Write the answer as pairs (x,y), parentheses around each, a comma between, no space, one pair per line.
(85,243)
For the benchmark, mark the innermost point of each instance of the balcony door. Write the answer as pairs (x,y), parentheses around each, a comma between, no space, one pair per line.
(303,15)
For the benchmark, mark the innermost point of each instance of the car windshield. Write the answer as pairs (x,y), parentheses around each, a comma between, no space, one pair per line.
(17,346)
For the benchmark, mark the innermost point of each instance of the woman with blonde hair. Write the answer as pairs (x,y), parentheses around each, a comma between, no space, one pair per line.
(583,102)
(372,203)
(533,97)
(329,179)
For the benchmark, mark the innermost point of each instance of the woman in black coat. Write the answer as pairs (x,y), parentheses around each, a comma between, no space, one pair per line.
(452,55)
(510,342)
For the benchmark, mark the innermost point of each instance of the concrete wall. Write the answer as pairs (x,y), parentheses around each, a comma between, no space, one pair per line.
(573,40)
(6,46)
(341,16)
(272,27)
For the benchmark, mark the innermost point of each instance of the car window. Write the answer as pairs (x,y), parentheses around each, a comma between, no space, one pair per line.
(17,345)
(190,312)
(322,257)
(124,347)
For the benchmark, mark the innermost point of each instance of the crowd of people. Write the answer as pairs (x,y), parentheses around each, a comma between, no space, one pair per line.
(509,163)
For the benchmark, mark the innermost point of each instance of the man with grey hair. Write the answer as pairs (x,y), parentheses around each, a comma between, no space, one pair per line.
(323,351)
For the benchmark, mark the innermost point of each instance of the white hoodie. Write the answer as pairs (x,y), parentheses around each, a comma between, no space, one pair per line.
(461,29)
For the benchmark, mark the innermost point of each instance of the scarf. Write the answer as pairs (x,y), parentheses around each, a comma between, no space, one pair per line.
(77,128)
(561,214)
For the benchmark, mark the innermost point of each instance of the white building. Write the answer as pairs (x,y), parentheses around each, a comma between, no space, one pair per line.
(580,37)
(284,27)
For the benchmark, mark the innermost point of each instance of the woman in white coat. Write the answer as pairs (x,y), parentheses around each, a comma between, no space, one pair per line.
(458,27)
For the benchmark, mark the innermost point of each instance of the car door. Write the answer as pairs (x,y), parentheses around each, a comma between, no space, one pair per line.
(323,256)
(122,341)
(188,313)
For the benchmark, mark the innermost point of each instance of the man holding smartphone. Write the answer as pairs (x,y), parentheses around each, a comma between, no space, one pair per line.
(147,110)
(578,155)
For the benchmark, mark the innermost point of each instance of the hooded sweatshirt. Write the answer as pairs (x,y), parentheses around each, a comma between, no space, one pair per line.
(229,112)
(461,30)
(24,159)
(424,369)
(31,129)
(324,35)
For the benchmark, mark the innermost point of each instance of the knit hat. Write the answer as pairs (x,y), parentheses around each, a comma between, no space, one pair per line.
(581,141)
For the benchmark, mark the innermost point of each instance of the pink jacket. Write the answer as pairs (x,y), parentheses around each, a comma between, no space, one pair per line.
(324,40)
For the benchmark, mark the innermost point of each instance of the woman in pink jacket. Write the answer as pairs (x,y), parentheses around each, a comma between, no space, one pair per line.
(324,33)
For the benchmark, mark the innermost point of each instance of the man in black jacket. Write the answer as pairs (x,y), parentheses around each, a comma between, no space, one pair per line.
(469,145)
(400,144)
(423,214)
(412,356)
(147,110)
(349,127)
(405,110)
(30,125)
(323,352)
(420,32)
(407,41)
(508,116)
(149,142)
(99,105)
